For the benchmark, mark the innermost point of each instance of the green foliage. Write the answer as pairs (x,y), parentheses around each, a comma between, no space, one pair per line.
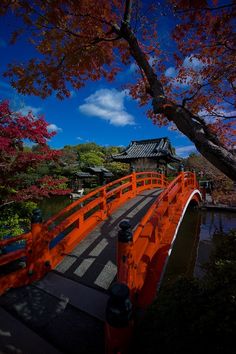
(76,158)
(15,218)
(88,147)
(10,225)
(91,159)
(111,150)
(118,169)
(192,316)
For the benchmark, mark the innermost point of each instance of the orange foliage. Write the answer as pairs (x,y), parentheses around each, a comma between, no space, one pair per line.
(79,41)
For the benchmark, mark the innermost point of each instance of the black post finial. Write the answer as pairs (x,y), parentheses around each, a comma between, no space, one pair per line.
(125,234)
(119,307)
(36,217)
(181,168)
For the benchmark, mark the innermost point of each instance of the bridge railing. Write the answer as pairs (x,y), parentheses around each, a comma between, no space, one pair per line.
(48,242)
(141,259)
(154,233)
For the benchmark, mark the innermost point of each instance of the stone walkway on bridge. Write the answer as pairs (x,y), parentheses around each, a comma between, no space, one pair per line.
(66,309)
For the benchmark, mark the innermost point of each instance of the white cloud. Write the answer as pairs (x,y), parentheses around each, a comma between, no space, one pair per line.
(54,128)
(193,63)
(79,138)
(108,105)
(133,67)
(189,62)
(185,150)
(171,72)
(26,109)
(217,113)
(72,94)
(152,60)
(228,114)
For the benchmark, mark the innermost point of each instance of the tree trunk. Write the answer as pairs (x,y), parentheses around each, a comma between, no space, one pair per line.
(191,126)
(207,145)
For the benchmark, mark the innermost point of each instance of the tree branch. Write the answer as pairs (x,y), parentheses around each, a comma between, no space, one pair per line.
(142,61)
(7,203)
(206,8)
(127,13)
(194,95)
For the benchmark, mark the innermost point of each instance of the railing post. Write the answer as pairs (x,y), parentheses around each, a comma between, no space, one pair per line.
(119,322)
(39,256)
(36,229)
(162,177)
(194,179)
(181,172)
(125,253)
(134,182)
(104,203)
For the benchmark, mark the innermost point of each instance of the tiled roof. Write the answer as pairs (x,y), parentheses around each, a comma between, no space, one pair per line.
(98,169)
(84,175)
(147,148)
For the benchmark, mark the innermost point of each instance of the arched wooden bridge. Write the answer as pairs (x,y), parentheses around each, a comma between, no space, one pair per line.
(79,245)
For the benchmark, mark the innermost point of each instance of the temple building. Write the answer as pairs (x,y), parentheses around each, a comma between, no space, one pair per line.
(148,155)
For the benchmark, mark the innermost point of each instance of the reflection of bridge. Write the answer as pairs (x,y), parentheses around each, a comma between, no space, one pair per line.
(80,245)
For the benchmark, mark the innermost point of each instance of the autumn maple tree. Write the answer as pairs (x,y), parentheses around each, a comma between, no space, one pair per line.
(18,164)
(89,40)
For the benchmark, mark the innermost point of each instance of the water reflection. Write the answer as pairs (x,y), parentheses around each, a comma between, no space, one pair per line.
(51,206)
(184,253)
(193,244)
(211,222)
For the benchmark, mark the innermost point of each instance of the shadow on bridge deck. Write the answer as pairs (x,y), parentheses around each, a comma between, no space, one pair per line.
(93,261)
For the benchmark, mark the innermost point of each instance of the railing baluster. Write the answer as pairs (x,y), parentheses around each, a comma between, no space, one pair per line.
(104,203)
(134,183)
(36,229)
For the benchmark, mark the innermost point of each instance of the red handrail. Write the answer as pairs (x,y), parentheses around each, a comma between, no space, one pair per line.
(157,228)
(78,219)
(141,258)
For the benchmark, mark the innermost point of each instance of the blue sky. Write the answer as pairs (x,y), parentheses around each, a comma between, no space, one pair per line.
(101,112)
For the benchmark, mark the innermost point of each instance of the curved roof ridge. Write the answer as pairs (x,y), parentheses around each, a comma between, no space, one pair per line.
(146,141)
(147,148)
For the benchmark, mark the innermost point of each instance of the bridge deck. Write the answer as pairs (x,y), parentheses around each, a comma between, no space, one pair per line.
(93,261)
(67,306)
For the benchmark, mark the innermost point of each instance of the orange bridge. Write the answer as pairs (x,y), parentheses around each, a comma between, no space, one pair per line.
(113,243)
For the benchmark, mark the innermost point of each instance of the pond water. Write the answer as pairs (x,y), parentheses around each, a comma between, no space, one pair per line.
(193,243)
(211,222)
(51,206)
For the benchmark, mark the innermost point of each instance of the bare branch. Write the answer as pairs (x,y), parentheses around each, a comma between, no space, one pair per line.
(194,95)
(227,101)
(206,8)
(7,203)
